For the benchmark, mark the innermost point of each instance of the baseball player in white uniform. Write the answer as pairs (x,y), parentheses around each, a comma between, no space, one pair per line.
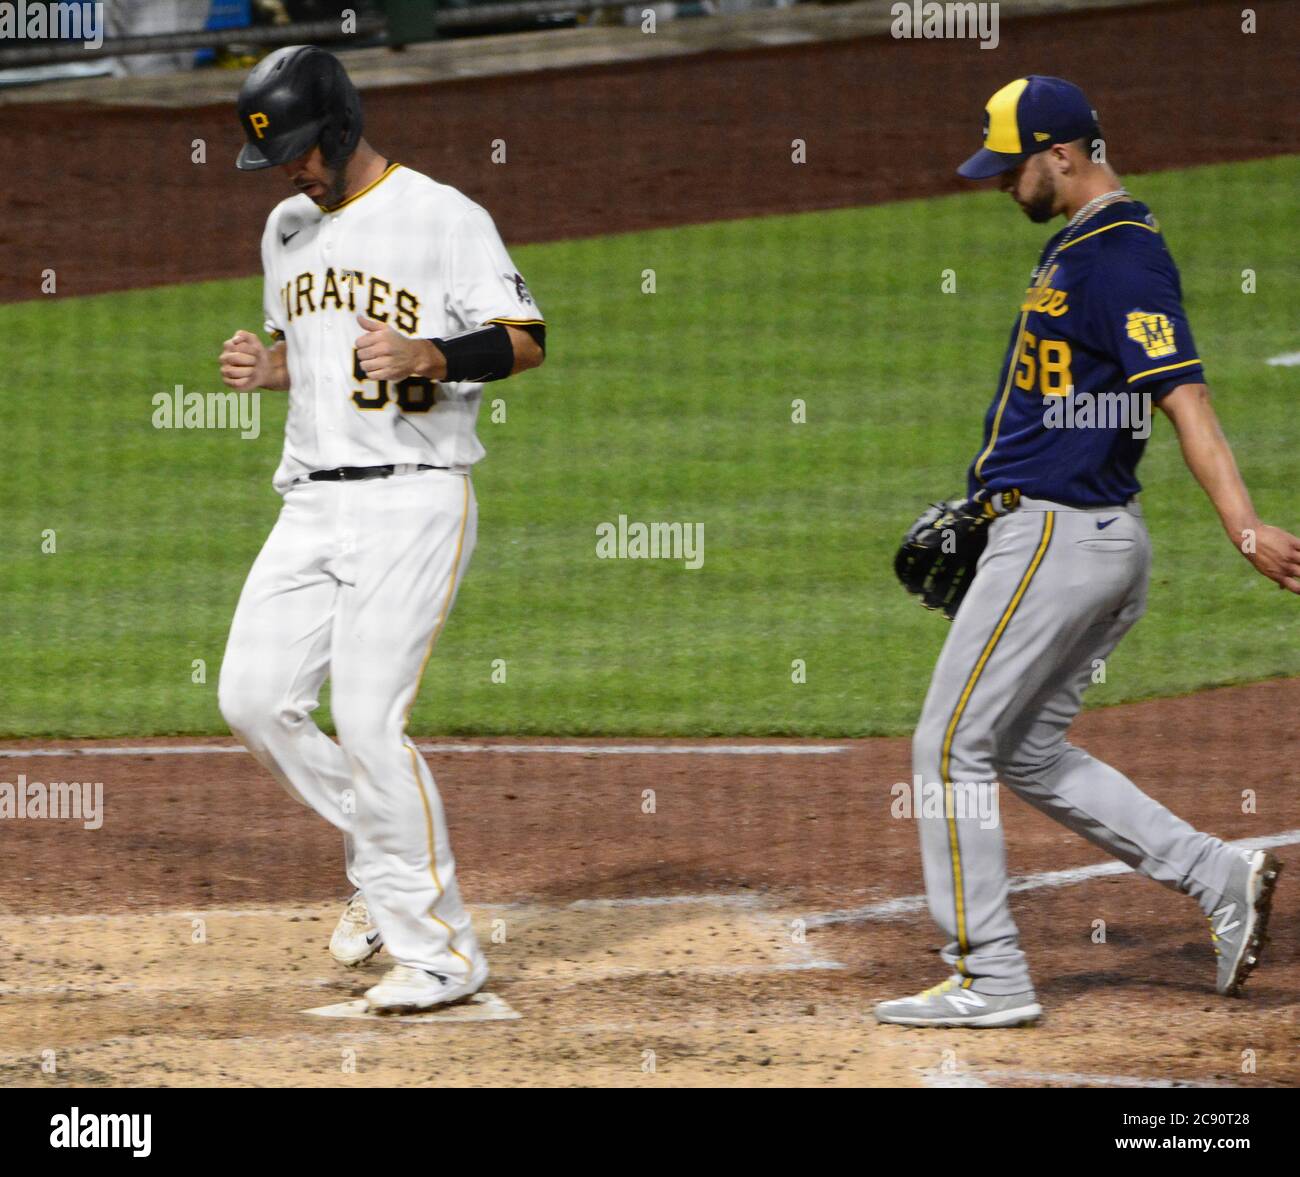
(391,300)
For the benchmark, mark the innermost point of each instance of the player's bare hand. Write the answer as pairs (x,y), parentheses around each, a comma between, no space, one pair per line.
(244,362)
(386,355)
(1275,553)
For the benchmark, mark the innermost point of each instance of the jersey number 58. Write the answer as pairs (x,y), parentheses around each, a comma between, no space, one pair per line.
(1044,364)
(414,394)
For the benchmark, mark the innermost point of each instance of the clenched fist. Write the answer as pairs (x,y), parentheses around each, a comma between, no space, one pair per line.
(245,362)
(386,355)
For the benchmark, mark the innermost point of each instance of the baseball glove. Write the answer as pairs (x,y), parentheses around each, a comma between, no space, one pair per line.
(937,558)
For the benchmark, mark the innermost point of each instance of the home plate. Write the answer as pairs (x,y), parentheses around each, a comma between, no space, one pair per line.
(482,1007)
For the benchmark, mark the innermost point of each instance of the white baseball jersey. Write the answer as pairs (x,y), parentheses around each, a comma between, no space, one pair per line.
(406,251)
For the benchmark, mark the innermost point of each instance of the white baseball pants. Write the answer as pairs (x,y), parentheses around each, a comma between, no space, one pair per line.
(355,581)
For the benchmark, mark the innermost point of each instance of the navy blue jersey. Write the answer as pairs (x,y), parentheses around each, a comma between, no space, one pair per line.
(1100,337)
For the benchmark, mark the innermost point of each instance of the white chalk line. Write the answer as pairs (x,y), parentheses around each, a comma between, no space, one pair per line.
(460,749)
(904,905)
(1078,1079)
(938,1077)
(1290,359)
(628,972)
(743,899)
(712,1025)
(482,1007)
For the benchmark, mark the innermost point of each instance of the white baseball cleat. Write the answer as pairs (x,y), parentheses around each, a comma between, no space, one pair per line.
(407,989)
(355,939)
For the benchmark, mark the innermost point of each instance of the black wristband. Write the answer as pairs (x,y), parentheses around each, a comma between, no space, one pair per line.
(478,356)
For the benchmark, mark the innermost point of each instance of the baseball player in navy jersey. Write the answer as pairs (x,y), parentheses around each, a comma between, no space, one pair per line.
(1064,574)
(391,301)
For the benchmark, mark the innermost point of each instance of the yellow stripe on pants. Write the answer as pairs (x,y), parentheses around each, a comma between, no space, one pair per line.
(1049,522)
(415,767)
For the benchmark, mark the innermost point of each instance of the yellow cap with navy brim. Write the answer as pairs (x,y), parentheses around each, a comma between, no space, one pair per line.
(1025,117)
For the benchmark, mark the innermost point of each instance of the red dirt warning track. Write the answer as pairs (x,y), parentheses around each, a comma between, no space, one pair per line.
(649,144)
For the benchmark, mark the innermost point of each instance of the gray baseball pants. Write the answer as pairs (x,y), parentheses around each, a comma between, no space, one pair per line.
(1056,589)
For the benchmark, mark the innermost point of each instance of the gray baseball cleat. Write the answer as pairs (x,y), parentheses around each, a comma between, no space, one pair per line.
(1239,921)
(953,1003)
(355,939)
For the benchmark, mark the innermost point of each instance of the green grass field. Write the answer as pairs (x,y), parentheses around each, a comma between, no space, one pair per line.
(674,405)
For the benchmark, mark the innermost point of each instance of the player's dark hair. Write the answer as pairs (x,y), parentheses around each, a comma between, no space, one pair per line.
(1090,142)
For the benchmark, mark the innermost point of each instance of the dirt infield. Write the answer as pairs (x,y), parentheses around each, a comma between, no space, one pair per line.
(649,144)
(614,932)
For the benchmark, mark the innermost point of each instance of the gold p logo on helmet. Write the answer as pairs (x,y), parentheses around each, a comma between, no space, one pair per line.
(258,122)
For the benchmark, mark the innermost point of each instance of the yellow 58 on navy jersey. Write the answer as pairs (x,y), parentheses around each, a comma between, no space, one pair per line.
(1099,336)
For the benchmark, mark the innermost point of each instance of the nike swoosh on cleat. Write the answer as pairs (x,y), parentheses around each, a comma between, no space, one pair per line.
(370,939)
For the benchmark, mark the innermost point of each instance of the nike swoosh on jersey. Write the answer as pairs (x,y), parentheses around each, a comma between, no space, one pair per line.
(285,238)
(1102,524)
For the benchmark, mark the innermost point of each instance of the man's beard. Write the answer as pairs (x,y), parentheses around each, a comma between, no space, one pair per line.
(337,188)
(1039,207)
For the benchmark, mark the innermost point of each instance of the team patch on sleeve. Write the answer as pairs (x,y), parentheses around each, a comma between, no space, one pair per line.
(516,282)
(1152,332)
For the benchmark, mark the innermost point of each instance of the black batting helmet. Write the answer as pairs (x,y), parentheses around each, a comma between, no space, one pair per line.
(294,99)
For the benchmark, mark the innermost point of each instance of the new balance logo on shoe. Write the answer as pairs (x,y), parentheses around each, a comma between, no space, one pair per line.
(1224,914)
(965,1000)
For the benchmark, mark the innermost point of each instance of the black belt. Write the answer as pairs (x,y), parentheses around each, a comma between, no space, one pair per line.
(359,473)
